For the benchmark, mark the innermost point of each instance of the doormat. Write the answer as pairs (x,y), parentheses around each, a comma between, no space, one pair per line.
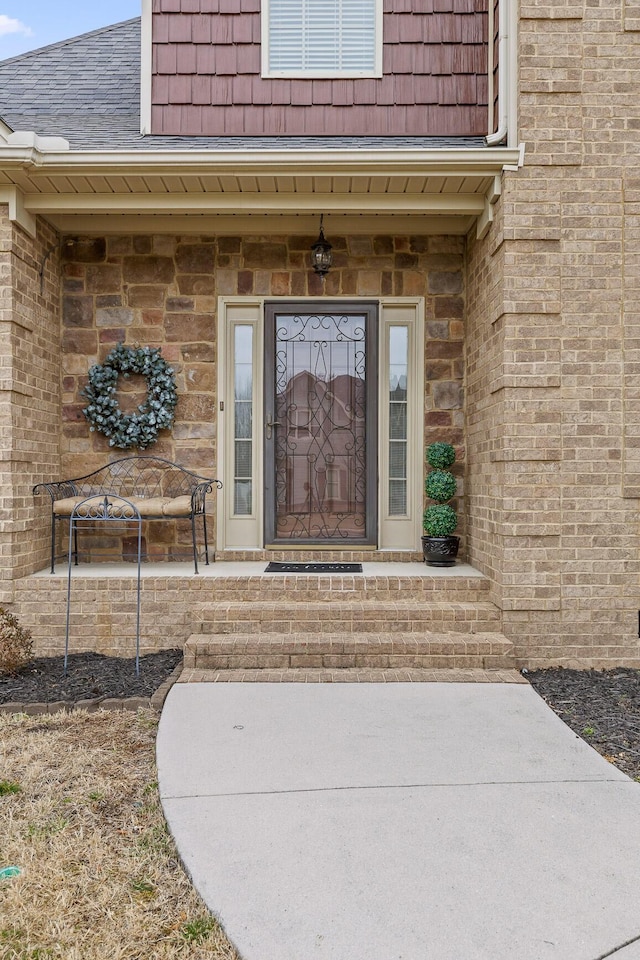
(275,567)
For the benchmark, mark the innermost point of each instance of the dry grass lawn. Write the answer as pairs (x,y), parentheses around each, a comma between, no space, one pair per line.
(80,815)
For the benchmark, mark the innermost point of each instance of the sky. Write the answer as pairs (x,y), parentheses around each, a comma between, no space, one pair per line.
(29,24)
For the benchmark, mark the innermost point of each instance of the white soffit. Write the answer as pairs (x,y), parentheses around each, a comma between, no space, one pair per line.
(283,189)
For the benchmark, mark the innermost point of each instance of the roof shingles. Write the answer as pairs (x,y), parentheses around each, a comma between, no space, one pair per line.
(87,89)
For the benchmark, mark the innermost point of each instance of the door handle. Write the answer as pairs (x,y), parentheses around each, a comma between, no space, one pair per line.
(269,424)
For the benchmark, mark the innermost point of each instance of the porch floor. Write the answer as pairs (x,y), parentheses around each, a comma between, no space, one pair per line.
(248,568)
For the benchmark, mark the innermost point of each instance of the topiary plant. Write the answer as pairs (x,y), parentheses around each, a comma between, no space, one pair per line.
(15,644)
(440,456)
(440,519)
(440,485)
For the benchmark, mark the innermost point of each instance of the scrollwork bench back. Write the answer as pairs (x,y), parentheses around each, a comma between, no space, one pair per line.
(158,488)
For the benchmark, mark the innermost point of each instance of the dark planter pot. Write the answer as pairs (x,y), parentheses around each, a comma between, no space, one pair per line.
(440,551)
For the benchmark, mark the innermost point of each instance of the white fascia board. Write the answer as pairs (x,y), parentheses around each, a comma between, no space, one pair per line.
(274,203)
(26,148)
(484,221)
(515,167)
(242,224)
(469,162)
(14,198)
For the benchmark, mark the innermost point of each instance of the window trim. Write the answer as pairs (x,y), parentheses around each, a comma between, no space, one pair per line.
(396,531)
(267,73)
(238,531)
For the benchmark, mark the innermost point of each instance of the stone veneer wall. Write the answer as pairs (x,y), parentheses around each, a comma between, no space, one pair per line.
(162,291)
(554,347)
(29,392)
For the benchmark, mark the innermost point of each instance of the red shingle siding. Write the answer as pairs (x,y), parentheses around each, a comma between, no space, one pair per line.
(206,75)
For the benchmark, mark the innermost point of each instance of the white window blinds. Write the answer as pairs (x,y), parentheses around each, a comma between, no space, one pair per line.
(322,37)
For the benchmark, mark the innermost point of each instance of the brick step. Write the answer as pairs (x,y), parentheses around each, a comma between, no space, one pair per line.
(332,587)
(356,675)
(354,616)
(324,555)
(340,651)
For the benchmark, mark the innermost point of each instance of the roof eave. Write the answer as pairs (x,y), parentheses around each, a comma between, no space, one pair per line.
(39,181)
(485,160)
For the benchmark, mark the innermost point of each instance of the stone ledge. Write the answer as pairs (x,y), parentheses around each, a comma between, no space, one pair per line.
(154,702)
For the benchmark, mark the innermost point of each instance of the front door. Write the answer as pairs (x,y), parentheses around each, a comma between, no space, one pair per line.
(320,425)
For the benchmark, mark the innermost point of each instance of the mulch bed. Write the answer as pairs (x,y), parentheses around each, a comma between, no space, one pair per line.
(602,707)
(89,676)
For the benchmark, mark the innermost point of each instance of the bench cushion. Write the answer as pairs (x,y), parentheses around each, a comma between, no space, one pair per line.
(178,507)
(149,507)
(63,508)
(91,505)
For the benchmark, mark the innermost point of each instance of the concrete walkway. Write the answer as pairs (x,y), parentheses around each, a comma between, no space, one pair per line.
(400,822)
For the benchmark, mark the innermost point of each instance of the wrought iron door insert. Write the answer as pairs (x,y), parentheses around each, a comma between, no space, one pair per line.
(321,423)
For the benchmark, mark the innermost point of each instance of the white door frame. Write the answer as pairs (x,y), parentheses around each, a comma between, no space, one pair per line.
(244,530)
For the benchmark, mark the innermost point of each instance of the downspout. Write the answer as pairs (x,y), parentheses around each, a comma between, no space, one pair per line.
(494,139)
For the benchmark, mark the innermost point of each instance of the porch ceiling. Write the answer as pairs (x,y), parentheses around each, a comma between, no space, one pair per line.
(412,191)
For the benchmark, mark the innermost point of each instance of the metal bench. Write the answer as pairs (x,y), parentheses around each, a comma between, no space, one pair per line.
(157,488)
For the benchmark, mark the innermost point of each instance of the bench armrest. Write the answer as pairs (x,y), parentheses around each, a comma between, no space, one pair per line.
(199,493)
(59,490)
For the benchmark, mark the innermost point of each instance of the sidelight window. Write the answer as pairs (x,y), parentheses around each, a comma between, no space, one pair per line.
(243,420)
(398,383)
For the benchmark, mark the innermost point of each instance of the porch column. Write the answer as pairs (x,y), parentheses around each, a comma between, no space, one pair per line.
(553,350)
(514,426)
(29,393)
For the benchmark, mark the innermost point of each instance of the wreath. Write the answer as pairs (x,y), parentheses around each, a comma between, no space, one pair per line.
(139,429)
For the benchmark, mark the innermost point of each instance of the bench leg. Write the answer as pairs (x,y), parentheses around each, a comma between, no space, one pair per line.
(193,536)
(53,543)
(206,542)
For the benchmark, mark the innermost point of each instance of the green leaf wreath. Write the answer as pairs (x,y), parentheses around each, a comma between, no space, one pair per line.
(139,429)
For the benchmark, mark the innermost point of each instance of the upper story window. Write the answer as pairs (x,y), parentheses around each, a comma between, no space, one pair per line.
(322,38)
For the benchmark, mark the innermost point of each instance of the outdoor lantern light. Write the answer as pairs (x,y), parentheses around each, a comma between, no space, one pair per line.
(321,258)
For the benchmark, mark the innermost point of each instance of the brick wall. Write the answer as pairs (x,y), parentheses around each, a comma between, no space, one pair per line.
(29,392)
(162,291)
(553,407)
